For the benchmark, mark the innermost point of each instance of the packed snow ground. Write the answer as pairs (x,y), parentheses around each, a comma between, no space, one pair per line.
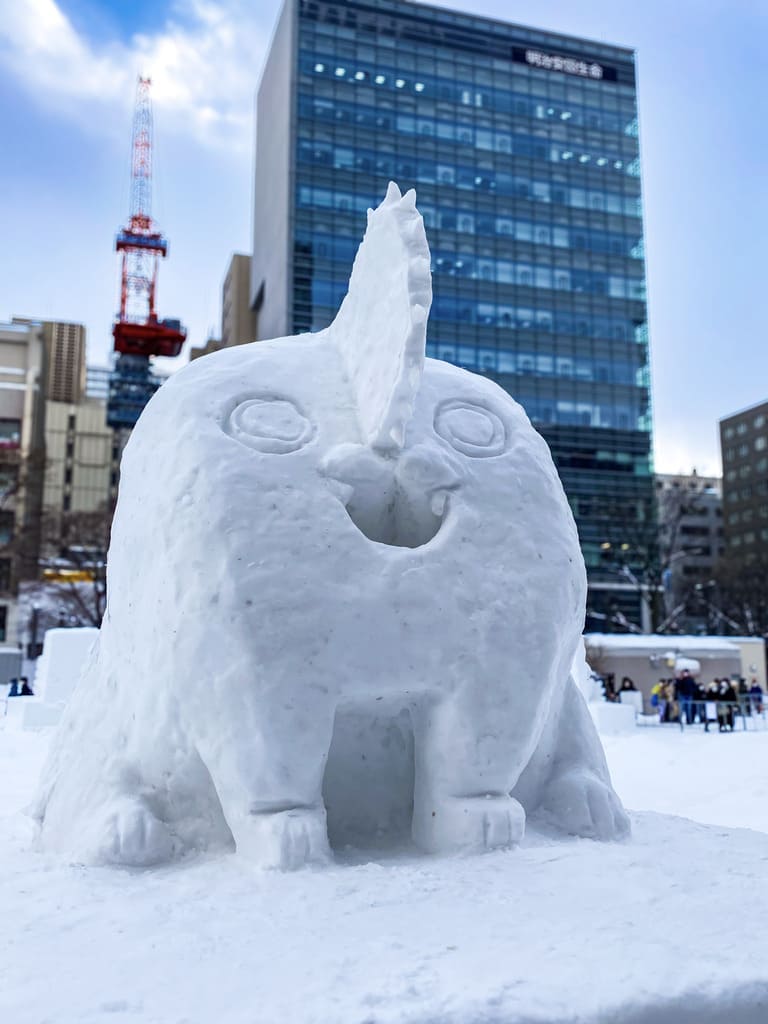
(668,928)
(714,778)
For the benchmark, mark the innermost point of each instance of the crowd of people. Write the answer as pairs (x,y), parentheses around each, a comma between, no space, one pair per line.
(684,698)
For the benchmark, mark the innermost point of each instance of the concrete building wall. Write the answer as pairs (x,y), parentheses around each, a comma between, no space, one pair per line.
(22,370)
(79,445)
(744,449)
(691,526)
(271,292)
(238,320)
(65,366)
(211,345)
(65,376)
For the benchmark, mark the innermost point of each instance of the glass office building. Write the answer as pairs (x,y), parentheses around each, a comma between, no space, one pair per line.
(523,148)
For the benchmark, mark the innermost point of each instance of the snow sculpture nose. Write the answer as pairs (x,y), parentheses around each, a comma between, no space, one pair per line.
(425,471)
(401,502)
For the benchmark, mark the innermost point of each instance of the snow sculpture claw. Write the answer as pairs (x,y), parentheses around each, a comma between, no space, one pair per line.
(345,592)
(583,805)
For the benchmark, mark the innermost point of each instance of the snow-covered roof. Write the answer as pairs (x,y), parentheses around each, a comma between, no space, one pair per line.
(656,644)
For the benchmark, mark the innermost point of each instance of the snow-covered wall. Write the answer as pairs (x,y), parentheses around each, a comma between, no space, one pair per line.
(59,667)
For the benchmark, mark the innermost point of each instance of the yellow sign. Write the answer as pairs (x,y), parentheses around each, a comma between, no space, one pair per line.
(68,575)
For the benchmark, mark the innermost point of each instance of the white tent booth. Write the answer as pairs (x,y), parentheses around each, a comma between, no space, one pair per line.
(648,658)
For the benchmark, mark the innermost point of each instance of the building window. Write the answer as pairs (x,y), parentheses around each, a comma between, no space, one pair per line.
(5,574)
(9,478)
(6,526)
(10,433)
(3,620)
(760,443)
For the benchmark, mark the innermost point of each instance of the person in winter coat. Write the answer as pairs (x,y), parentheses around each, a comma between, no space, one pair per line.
(727,701)
(686,690)
(756,696)
(670,709)
(656,693)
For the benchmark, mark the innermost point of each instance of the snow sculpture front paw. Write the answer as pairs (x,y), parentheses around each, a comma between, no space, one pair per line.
(134,837)
(470,824)
(286,840)
(580,803)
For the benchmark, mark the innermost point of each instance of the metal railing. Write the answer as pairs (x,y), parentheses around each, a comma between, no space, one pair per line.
(721,715)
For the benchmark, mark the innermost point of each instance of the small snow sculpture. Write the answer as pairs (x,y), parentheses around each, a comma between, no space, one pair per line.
(326,537)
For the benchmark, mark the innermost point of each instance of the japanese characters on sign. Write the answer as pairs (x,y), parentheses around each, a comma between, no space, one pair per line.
(551,62)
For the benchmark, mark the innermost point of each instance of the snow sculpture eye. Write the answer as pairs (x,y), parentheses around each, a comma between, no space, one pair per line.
(270,424)
(470,428)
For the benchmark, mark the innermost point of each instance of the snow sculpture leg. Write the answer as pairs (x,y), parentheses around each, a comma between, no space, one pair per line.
(132,835)
(464,773)
(267,765)
(567,779)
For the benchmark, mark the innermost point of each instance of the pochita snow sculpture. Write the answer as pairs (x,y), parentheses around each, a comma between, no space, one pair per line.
(328,536)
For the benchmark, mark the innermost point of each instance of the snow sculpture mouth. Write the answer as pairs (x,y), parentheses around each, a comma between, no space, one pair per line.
(401,521)
(400,502)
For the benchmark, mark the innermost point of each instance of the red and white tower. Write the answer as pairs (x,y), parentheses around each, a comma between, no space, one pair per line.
(138,333)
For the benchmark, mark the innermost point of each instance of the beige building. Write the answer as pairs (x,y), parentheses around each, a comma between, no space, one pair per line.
(238,320)
(79,455)
(65,371)
(212,345)
(57,455)
(22,462)
(65,353)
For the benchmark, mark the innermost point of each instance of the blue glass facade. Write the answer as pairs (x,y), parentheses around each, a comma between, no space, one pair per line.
(523,148)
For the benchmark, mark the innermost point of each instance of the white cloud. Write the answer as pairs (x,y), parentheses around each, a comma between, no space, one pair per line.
(204,65)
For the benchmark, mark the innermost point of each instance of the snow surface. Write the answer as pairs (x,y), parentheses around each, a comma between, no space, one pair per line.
(715,778)
(357,557)
(666,928)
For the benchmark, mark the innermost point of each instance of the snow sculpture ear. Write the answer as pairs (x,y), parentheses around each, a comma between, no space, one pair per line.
(381,327)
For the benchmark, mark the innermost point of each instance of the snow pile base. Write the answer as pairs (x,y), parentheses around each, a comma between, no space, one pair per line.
(355,551)
(665,929)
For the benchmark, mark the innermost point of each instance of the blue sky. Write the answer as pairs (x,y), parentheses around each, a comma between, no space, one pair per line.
(67,81)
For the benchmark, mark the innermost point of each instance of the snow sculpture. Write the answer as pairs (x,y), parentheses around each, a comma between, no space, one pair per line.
(327,540)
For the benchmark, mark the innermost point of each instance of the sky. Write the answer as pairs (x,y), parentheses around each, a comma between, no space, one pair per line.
(68,73)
